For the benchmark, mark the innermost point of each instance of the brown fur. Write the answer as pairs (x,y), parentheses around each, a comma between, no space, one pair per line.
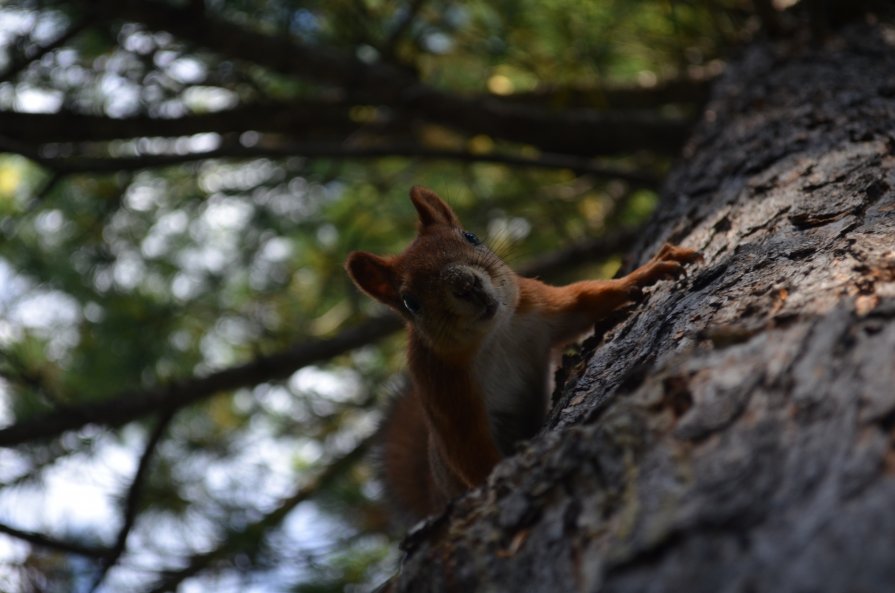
(478,352)
(404,462)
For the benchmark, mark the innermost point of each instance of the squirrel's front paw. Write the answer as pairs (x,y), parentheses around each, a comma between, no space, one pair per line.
(684,255)
(667,264)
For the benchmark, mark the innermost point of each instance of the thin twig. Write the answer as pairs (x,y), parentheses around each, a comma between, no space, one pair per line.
(250,534)
(17,66)
(391,43)
(16,371)
(45,541)
(133,497)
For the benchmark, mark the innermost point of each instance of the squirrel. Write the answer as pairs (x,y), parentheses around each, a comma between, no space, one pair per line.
(479,350)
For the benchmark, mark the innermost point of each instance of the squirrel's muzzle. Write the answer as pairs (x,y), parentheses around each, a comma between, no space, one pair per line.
(469,286)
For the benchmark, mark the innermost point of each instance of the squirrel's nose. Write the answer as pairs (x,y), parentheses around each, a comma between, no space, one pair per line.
(466,285)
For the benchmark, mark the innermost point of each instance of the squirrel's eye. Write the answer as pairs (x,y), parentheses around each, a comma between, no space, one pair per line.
(473,240)
(411,304)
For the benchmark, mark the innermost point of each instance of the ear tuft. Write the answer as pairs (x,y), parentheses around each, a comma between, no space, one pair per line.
(431,208)
(374,275)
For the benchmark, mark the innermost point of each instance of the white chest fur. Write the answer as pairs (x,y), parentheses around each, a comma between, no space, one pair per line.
(512,367)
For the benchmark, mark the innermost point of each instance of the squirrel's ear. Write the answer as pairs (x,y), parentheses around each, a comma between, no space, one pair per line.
(431,208)
(375,276)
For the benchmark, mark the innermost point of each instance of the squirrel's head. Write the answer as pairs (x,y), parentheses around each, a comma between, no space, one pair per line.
(447,284)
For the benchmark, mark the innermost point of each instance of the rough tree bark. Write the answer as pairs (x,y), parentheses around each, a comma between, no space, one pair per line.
(737,433)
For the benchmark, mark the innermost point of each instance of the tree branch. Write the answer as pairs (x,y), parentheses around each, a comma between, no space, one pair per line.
(579,165)
(275,52)
(16,66)
(251,534)
(133,498)
(44,541)
(391,43)
(581,131)
(307,119)
(23,129)
(128,406)
(554,263)
(584,132)
(683,90)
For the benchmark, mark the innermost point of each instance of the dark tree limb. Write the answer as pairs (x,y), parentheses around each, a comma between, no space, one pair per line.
(691,91)
(551,265)
(233,542)
(17,372)
(401,27)
(25,148)
(581,131)
(278,53)
(305,119)
(132,501)
(579,165)
(251,535)
(45,541)
(584,132)
(128,406)
(18,65)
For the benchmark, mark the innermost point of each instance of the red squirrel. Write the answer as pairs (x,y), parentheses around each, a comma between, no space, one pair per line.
(479,349)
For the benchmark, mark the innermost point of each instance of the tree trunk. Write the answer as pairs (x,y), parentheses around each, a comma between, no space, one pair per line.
(736,432)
